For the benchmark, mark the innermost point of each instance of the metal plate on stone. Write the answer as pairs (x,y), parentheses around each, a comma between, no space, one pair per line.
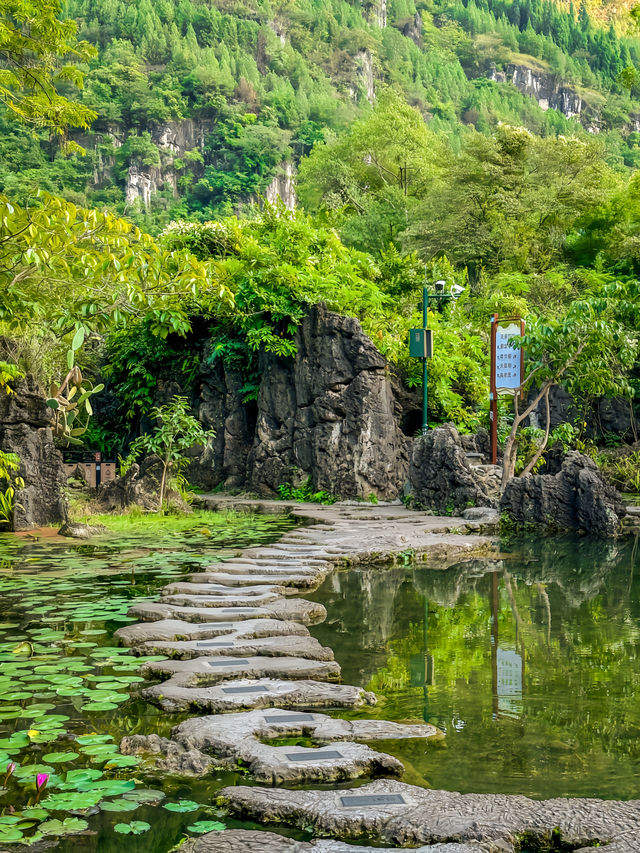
(313,756)
(226,662)
(214,645)
(238,609)
(290,718)
(373,800)
(244,690)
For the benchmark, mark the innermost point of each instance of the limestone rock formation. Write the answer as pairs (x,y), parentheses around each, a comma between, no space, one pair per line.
(25,429)
(441,477)
(548,91)
(329,414)
(140,486)
(576,498)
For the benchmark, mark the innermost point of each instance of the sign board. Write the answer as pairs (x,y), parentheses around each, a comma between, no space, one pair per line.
(421,343)
(509,683)
(507,377)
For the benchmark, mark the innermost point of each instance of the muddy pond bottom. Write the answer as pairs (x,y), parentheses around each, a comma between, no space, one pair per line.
(528,664)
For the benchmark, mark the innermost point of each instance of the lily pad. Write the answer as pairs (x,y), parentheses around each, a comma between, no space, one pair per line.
(63,827)
(61,757)
(136,827)
(207,826)
(181,806)
(119,805)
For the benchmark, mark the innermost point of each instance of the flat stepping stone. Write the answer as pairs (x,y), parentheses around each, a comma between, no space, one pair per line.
(236,599)
(393,812)
(222,590)
(168,630)
(293,609)
(283,579)
(231,645)
(258,693)
(250,841)
(205,671)
(243,739)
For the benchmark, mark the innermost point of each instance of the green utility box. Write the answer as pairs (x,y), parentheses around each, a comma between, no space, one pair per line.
(420,343)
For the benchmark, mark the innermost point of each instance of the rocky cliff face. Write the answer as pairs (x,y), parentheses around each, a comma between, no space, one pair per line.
(576,498)
(282,187)
(548,91)
(25,429)
(330,414)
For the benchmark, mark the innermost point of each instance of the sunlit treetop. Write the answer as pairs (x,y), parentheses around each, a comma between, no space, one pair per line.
(39,54)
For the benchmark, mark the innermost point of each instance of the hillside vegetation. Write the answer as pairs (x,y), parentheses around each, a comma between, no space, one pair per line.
(415,160)
(206,101)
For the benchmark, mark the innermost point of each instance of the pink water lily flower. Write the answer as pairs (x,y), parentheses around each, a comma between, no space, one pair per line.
(41,780)
(11,766)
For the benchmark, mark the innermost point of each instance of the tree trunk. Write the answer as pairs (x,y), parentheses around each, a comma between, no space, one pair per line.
(543,446)
(165,465)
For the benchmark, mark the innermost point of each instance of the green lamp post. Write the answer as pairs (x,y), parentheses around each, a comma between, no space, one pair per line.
(421,340)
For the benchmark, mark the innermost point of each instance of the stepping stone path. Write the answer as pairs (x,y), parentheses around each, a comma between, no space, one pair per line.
(239,647)
(235,738)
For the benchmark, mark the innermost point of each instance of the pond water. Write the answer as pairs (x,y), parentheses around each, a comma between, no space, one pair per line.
(528,664)
(65,687)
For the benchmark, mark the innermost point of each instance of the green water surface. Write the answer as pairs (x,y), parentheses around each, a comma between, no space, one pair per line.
(527,663)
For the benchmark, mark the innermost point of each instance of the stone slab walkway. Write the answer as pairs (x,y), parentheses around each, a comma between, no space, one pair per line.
(393,812)
(239,647)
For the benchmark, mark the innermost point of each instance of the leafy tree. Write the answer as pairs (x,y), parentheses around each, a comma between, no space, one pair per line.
(63,268)
(34,46)
(508,201)
(588,349)
(177,432)
(373,175)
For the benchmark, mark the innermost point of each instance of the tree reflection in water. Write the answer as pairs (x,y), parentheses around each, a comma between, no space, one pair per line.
(528,663)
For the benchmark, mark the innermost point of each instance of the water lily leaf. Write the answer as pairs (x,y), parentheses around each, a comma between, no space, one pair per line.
(36,813)
(119,806)
(181,806)
(61,757)
(145,795)
(10,833)
(90,740)
(136,827)
(63,827)
(207,826)
(30,771)
(123,761)
(72,801)
(83,774)
(99,706)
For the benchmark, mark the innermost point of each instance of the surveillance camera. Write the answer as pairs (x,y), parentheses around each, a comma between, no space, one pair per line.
(457,289)
(440,285)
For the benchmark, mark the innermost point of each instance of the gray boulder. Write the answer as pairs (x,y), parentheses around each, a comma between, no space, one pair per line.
(25,429)
(441,477)
(329,414)
(78,530)
(576,498)
(140,487)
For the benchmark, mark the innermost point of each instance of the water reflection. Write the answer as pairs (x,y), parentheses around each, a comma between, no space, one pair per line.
(528,663)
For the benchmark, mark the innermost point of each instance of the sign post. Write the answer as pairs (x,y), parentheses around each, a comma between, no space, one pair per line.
(507,369)
(421,341)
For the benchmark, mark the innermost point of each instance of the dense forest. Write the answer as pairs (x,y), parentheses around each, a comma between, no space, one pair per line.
(207,102)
